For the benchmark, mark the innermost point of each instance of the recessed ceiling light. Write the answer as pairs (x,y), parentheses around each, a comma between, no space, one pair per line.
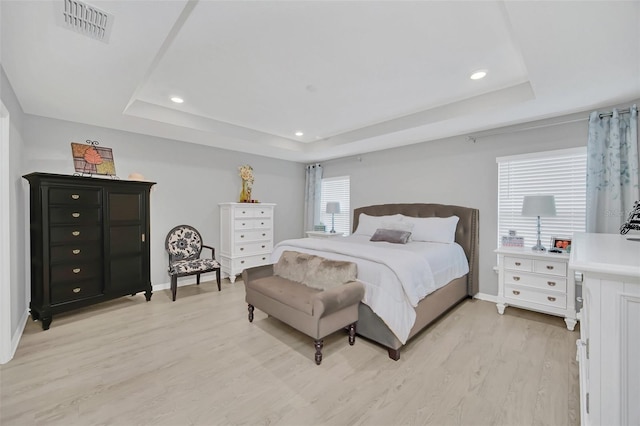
(299,134)
(177,99)
(478,75)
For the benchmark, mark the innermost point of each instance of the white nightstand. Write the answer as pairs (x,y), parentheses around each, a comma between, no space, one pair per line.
(321,234)
(538,281)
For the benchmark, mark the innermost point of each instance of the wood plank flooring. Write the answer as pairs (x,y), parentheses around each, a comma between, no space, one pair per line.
(198,361)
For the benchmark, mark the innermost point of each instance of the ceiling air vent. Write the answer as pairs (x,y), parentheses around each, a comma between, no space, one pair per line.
(85,19)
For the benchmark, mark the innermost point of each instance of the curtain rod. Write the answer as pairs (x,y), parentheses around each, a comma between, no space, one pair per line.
(610,114)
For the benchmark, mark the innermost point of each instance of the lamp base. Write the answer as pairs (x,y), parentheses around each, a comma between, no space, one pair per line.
(538,247)
(333,231)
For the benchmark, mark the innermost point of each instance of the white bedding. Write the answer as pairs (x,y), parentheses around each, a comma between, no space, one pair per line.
(396,276)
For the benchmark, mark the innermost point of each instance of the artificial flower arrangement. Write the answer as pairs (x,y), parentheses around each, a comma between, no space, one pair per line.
(246,174)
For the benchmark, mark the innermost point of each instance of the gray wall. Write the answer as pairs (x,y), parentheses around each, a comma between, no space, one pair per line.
(18,221)
(191,179)
(452,171)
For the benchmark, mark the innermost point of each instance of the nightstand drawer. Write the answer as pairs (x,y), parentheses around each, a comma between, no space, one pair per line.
(550,267)
(537,281)
(516,295)
(518,264)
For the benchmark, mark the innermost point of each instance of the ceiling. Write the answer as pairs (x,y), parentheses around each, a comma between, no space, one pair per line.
(353,76)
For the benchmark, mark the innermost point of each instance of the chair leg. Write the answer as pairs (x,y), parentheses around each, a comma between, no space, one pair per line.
(352,333)
(218,278)
(318,344)
(174,286)
(198,279)
(250,312)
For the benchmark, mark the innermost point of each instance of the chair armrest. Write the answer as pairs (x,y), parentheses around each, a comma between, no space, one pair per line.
(213,251)
(334,299)
(256,272)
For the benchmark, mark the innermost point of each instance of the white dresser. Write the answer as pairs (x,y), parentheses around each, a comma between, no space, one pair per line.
(246,236)
(609,345)
(538,281)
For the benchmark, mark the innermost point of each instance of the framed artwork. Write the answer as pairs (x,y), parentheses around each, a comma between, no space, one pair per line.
(563,244)
(91,159)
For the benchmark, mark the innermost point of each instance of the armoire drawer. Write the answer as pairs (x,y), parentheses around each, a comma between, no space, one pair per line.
(71,234)
(75,252)
(75,271)
(71,291)
(75,196)
(73,215)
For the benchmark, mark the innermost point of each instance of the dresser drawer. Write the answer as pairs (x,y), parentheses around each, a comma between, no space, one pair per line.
(254,235)
(71,291)
(72,234)
(537,281)
(517,295)
(251,212)
(75,196)
(75,271)
(246,249)
(518,264)
(75,253)
(550,267)
(72,215)
(242,263)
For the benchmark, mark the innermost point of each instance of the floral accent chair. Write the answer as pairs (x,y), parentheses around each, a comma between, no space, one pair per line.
(184,245)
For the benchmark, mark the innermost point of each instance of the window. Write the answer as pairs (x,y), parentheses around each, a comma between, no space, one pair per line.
(562,173)
(336,189)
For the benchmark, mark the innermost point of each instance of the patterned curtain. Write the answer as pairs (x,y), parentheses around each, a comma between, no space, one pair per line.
(312,192)
(612,169)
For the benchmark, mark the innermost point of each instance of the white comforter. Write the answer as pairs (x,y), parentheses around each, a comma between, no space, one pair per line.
(396,276)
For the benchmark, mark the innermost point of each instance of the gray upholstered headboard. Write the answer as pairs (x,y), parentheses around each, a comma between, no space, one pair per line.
(467,233)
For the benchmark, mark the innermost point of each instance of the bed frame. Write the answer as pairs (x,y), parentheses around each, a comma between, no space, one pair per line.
(442,300)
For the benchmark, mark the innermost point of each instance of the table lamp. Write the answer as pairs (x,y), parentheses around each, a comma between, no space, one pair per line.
(537,206)
(333,207)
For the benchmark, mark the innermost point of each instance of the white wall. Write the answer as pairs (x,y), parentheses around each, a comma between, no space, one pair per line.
(191,179)
(16,289)
(452,171)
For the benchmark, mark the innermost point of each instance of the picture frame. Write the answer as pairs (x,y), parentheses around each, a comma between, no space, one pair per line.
(561,243)
(91,159)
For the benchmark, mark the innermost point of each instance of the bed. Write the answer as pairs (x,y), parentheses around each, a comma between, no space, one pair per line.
(406,311)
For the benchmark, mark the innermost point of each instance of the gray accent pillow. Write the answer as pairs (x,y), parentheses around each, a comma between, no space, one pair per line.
(394,236)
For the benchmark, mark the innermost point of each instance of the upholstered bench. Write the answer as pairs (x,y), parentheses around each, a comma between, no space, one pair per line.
(314,295)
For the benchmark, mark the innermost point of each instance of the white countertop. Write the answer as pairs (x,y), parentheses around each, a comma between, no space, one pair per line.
(605,253)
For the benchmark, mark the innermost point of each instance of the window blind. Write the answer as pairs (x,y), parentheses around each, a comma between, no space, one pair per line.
(561,173)
(336,189)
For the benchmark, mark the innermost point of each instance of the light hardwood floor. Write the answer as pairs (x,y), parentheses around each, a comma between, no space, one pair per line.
(198,361)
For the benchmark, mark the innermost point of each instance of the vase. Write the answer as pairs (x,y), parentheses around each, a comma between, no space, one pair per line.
(245,194)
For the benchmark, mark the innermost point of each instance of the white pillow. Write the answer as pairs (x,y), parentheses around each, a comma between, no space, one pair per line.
(397,225)
(367,225)
(433,229)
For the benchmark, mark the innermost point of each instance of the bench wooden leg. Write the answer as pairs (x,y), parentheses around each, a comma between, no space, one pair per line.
(352,333)
(251,312)
(318,344)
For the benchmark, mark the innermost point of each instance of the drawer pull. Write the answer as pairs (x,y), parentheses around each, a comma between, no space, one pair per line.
(76,270)
(241,236)
(75,251)
(243,212)
(77,290)
(516,278)
(518,263)
(241,248)
(516,292)
(549,267)
(242,262)
(551,299)
(75,233)
(75,196)
(263,246)
(76,214)
(243,224)
(551,283)
(264,235)
(264,258)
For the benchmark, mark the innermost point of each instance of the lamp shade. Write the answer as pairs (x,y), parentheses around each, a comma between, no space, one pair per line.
(539,205)
(333,207)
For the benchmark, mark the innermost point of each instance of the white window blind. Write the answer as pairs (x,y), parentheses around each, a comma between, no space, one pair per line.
(336,189)
(561,173)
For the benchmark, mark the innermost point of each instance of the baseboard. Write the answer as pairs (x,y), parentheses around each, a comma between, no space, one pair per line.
(15,339)
(183,281)
(486,297)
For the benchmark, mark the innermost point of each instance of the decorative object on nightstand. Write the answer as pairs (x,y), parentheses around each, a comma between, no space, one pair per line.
(633,221)
(537,281)
(537,206)
(333,207)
